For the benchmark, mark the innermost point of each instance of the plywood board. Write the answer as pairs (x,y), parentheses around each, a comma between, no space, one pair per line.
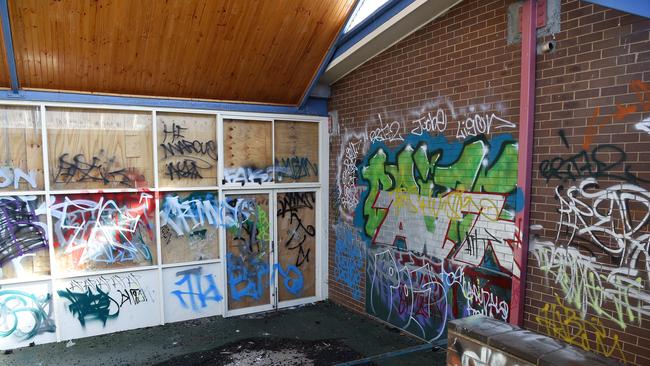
(187,150)
(189,226)
(24,251)
(296,222)
(104,231)
(192,292)
(27,315)
(248,154)
(21,154)
(88,306)
(97,149)
(248,251)
(296,151)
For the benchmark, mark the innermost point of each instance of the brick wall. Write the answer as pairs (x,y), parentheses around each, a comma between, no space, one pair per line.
(595,90)
(459,63)
(593,94)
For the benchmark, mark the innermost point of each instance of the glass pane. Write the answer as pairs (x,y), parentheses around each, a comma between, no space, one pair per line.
(248,155)
(296,151)
(104,231)
(187,150)
(296,220)
(247,250)
(24,250)
(21,152)
(189,223)
(95,149)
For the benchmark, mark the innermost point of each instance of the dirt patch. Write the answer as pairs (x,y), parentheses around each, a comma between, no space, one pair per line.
(271,351)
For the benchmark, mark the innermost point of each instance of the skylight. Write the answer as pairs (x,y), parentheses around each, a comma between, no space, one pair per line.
(364,9)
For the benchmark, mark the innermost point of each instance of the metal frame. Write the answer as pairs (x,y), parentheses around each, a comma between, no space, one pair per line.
(320,187)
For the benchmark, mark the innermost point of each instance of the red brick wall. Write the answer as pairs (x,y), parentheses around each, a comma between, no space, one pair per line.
(461,58)
(587,90)
(595,88)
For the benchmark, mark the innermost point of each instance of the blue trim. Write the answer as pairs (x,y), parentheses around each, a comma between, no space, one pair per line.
(9,45)
(373,22)
(637,7)
(374,15)
(312,106)
(325,63)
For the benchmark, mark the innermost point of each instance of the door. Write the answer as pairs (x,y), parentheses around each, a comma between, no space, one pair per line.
(248,252)
(271,259)
(296,259)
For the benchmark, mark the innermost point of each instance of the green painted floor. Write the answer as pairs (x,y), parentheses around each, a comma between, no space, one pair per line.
(158,344)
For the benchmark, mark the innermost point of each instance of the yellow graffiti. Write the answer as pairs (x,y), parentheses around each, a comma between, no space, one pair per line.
(565,324)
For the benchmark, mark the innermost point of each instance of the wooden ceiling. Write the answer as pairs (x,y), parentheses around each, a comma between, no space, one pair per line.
(265,51)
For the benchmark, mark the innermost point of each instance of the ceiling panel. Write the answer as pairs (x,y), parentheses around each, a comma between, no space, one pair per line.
(246,50)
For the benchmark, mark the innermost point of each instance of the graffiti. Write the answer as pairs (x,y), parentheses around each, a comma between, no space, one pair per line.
(349,258)
(194,292)
(246,277)
(389,132)
(564,323)
(482,301)
(25,315)
(185,215)
(109,228)
(91,306)
(642,91)
(487,357)
(602,161)
(293,204)
(478,125)
(352,146)
(195,155)
(12,177)
(295,168)
(613,293)
(644,125)
(102,298)
(21,231)
(245,175)
(439,220)
(603,218)
(100,168)
(401,207)
(420,295)
(247,269)
(430,123)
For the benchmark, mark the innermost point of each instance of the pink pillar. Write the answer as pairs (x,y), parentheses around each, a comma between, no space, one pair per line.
(525,165)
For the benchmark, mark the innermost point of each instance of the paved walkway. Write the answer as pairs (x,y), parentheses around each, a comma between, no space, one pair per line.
(321,322)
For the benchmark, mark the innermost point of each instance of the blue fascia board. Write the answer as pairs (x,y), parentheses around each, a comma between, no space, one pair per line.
(636,7)
(381,16)
(9,46)
(312,106)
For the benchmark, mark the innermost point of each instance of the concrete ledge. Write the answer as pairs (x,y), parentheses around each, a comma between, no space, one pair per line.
(480,340)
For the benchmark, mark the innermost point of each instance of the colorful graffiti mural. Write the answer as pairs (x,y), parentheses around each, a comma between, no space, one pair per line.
(438,220)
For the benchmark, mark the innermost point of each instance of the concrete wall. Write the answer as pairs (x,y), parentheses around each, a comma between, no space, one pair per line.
(423,185)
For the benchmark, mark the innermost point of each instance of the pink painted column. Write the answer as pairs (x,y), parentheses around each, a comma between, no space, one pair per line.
(525,164)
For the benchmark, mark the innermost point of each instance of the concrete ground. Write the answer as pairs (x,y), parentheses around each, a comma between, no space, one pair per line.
(324,333)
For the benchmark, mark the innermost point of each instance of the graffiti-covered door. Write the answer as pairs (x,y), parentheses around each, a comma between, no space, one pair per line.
(295,267)
(248,253)
(271,259)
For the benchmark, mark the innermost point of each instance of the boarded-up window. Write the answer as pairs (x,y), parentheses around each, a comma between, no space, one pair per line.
(187,150)
(97,149)
(296,152)
(248,154)
(21,152)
